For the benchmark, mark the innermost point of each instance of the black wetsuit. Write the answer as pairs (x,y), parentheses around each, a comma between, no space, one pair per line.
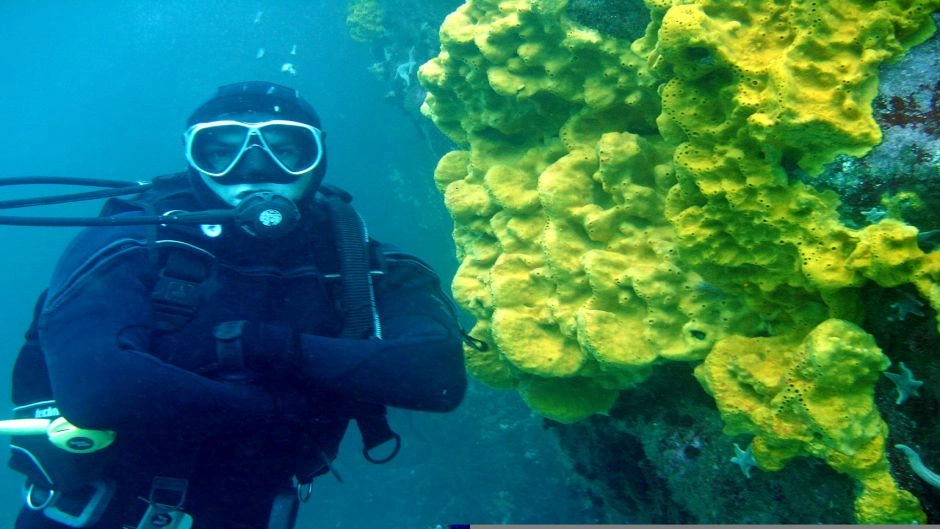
(237,442)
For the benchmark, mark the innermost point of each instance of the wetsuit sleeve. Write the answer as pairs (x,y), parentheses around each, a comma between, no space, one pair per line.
(418,363)
(95,331)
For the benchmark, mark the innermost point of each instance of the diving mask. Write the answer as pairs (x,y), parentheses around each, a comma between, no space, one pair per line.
(214,148)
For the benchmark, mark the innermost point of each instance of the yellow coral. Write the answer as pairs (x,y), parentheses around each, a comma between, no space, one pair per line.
(365,19)
(618,205)
(812,398)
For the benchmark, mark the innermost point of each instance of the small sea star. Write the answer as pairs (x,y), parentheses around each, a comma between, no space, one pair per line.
(905,382)
(874,214)
(744,459)
(906,305)
(407,68)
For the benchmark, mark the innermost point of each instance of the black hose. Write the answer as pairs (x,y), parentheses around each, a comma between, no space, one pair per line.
(199,217)
(64,180)
(114,188)
(72,197)
(253,214)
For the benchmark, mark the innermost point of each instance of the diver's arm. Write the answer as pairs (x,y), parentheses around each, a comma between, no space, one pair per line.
(418,364)
(95,331)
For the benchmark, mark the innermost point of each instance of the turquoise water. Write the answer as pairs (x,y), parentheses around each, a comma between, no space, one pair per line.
(102,89)
(92,89)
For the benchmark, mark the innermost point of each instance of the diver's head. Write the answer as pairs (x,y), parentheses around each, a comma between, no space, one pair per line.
(256,137)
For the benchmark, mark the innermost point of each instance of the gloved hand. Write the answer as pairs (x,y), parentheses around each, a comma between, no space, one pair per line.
(291,406)
(270,349)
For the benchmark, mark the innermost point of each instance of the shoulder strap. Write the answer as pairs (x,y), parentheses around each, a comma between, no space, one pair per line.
(184,268)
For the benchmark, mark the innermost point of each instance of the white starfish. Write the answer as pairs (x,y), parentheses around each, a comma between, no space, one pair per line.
(405,69)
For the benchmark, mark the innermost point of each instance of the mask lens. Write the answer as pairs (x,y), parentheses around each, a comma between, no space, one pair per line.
(295,147)
(214,149)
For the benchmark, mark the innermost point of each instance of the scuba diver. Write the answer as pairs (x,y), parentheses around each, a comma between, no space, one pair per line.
(201,349)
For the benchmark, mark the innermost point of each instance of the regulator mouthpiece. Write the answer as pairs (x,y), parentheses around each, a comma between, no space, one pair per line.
(267,215)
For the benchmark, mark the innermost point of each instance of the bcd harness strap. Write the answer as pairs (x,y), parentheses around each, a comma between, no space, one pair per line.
(176,293)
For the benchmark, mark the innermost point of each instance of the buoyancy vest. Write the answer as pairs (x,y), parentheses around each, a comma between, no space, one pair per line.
(348,258)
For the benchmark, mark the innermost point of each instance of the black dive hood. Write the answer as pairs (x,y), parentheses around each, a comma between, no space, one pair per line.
(262,214)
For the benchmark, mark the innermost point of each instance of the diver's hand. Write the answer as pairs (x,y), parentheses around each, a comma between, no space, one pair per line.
(270,348)
(291,406)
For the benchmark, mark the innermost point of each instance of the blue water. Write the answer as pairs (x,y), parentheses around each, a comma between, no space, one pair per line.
(102,89)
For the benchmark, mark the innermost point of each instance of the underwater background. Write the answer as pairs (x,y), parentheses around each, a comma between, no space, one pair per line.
(102,89)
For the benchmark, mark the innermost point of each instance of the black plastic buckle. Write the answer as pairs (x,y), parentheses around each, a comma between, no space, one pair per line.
(230,363)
